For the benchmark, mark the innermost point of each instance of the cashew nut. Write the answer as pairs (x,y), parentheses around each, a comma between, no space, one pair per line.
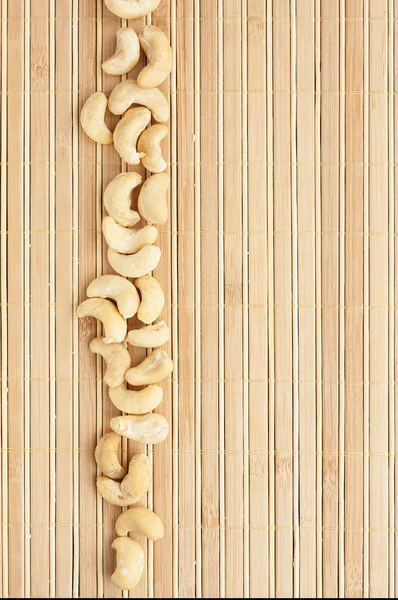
(122,291)
(92,119)
(127,241)
(147,429)
(104,310)
(136,403)
(128,92)
(160,57)
(152,299)
(152,201)
(151,336)
(117,198)
(131,9)
(149,145)
(130,563)
(127,132)
(135,265)
(127,53)
(138,479)
(133,487)
(154,368)
(117,360)
(140,519)
(107,455)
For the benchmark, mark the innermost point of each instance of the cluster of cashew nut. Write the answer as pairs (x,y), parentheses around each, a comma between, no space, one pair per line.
(113,299)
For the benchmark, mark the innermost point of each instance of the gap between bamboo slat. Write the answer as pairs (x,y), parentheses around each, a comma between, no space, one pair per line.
(150,499)
(221,332)
(27,266)
(52,296)
(4,323)
(391,298)
(342,299)
(174,297)
(318,300)
(99,245)
(75,220)
(366,305)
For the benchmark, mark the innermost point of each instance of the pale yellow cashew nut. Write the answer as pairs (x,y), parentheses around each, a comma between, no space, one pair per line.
(149,145)
(151,336)
(154,368)
(140,519)
(152,299)
(133,487)
(152,201)
(128,92)
(160,57)
(127,53)
(104,310)
(135,265)
(117,198)
(130,563)
(136,402)
(125,240)
(127,132)
(132,9)
(147,429)
(92,119)
(119,289)
(117,360)
(107,456)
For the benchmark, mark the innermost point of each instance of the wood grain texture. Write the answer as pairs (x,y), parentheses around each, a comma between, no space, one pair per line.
(279,262)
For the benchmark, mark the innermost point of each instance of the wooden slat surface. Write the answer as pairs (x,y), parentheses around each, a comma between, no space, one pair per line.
(279,263)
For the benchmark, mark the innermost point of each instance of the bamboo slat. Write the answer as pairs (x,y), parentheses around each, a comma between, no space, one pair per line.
(279,476)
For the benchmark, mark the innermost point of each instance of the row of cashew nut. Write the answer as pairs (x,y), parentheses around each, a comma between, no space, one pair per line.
(113,299)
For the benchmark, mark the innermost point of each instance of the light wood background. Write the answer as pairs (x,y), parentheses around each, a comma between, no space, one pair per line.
(279,261)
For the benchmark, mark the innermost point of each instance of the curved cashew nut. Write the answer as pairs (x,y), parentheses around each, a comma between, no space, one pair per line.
(128,92)
(152,299)
(122,291)
(117,198)
(92,119)
(135,265)
(154,368)
(127,53)
(127,132)
(136,403)
(104,310)
(117,360)
(160,57)
(127,241)
(140,519)
(130,563)
(149,145)
(107,455)
(152,201)
(151,336)
(147,429)
(131,9)
(133,487)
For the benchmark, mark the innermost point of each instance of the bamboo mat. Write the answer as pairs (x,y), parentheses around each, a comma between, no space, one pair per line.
(278,264)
